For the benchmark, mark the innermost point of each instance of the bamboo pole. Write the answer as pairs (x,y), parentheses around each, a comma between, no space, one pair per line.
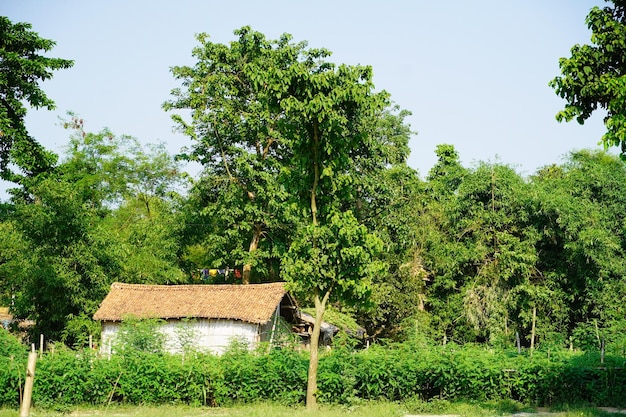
(602,351)
(532,332)
(28,385)
(276,314)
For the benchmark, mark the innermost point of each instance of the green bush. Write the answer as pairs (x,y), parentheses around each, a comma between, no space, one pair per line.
(13,357)
(10,346)
(397,373)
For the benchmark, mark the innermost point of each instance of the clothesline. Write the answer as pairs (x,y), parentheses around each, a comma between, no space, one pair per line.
(211,272)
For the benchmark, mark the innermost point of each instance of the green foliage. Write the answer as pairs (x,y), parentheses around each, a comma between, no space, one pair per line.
(111,169)
(592,77)
(429,378)
(236,211)
(249,376)
(68,263)
(139,335)
(10,345)
(22,68)
(186,336)
(12,364)
(106,213)
(342,320)
(482,254)
(338,258)
(12,247)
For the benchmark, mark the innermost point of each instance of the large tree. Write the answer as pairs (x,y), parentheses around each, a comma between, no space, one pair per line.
(479,248)
(287,137)
(331,108)
(580,213)
(594,76)
(105,213)
(22,67)
(236,131)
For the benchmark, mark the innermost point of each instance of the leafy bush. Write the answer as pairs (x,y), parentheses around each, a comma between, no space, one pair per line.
(13,356)
(140,335)
(10,345)
(424,376)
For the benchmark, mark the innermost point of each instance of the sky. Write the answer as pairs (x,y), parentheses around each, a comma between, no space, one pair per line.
(472,73)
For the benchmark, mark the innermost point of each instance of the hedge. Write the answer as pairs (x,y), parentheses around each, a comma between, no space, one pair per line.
(396,373)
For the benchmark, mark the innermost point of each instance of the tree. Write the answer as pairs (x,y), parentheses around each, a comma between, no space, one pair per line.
(112,169)
(480,248)
(22,68)
(331,112)
(393,211)
(105,213)
(69,264)
(289,142)
(333,261)
(236,128)
(594,74)
(12,246)
(580,212)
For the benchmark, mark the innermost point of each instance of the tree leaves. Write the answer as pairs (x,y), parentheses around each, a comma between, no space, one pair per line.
(593,76)
(21,69)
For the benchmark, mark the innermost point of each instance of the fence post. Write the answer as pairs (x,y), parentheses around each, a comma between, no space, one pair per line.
(532,331)
(28,385)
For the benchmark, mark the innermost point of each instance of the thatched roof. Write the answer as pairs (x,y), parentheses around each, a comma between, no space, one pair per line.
(254,303)
(4,314)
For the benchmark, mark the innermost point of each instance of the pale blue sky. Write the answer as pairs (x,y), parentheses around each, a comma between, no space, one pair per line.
(473,73)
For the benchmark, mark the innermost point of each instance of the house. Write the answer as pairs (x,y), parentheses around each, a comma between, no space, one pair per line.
(5,317)
(7,321)
(218,314)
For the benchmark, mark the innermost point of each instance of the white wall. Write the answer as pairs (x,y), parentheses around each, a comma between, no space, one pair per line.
(201,335)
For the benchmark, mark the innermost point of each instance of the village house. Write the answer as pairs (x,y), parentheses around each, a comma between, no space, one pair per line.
(215,314)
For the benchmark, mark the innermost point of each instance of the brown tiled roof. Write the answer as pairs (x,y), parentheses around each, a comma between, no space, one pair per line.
(254,303)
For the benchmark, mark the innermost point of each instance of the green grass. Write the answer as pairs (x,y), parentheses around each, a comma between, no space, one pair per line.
(366,409)
(378,409)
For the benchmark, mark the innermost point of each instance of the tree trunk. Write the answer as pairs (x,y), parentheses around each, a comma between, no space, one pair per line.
(311,388)
(316,174)
(254,244)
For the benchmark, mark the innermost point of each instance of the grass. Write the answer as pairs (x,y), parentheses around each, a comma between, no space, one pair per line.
(365,409)
(377,409)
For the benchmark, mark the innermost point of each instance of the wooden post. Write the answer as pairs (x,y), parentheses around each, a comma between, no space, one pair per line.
(518,343)
(40,345)
(602,351)
(28,385)
(532,331)
(276,314)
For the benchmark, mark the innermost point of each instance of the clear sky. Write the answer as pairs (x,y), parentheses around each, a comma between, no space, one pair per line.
(473,73)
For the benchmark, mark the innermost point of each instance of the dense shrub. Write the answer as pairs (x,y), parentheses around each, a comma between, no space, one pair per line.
(13,357)
(11,379)
(10,345)
(279,375)
(397,373)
